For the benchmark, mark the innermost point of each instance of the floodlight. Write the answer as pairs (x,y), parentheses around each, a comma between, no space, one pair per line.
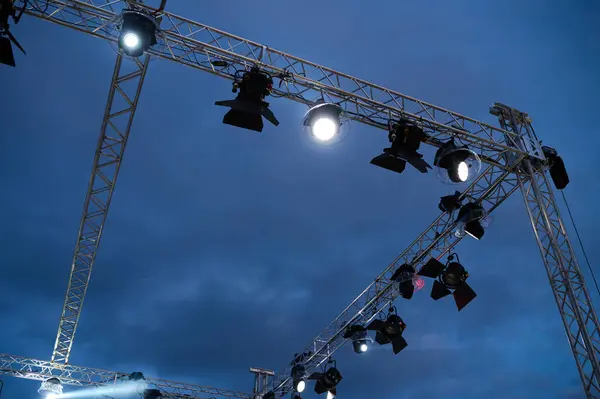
(7,10)
(406,139)
(450,203)
(327,381)
(269,395)
(324,121)
(51,388)
(298,375)
(248,108)
(472,220)
(450,279)
(456,164)
(558,171)
(360,339)
(390,331)
(151,394)
(138,32)
(404,276)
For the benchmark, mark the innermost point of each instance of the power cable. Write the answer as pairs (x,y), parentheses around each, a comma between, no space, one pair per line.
(587,260)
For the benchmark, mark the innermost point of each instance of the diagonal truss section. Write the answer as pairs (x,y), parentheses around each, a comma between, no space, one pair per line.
(197,45)
(490,189)
(573,300)
(41,370)
(120,109)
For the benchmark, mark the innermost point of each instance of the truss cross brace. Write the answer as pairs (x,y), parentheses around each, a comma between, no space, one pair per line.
(120,109)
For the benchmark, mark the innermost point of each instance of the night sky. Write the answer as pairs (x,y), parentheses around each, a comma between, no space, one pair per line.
(226,249)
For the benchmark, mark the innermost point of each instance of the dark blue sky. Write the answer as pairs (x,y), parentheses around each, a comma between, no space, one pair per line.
(207,268)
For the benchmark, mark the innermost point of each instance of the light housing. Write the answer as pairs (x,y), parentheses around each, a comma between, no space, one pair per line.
(450,279)
(151,394)
(51,388)
(249,106)
(390,331)
(325,122)
(406,138)
(558,171)
(456,164)
(404,276)
(450,203)
(7,39)
(138,32)
(472,220)
(298,377)
(359,336)
(327,381)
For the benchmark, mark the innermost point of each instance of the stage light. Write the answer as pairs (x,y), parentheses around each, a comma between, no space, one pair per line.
(298,375)
(138,32)
(7,10)
(450,203)
(360,339)
(450,279)
(456,164)
(471,220)
(151,394)
(269,395)
(406,139)
(404,276)
(327,381)
(51,388)
(558,171)
(248,108)
(390,331)
(324,121)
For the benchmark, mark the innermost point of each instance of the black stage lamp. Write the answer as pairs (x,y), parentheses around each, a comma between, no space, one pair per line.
(298,376)
(360,339)
(390,331)
(7,10)
(151,394)
(403,276)
(138,32)
(456,164)
(248,108)
(558,171)
(406,138)
(450,279)
(327,381)
(450,203)
(469,220)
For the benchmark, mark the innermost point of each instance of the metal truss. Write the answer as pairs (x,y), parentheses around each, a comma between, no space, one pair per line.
(573,300)
(197,45)
(118,116)
(40,370)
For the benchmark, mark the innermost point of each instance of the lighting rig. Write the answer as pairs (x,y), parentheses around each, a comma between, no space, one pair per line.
(514,158)
(8,11)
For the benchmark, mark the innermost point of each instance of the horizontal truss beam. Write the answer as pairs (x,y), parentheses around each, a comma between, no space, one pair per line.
(41,370)
(198,45)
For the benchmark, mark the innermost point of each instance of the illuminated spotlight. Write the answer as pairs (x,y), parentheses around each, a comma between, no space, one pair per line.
(404,276)
(151,394)
(298,376)
(138,32)
(558,171)
(51,388)
(325,122)
(450,279)
(472,220)
(7,11)
(456,164)
(450,203)
(327,381)
(360,339)
(389,331)
(406,139)
(248,108)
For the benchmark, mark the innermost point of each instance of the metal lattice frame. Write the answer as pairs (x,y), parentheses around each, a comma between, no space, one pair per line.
(122,102)
(506,150)
(41,370)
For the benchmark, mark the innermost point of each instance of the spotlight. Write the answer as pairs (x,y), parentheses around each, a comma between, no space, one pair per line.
(472,220)
(406,139)
(327,381)
(456,164)
(138,32)
(390,331)
(248,108)
(269,395)
(558,171)
(360,339)
(51,388)
(450,279)
(450,203)
(7,10)
(324,121)
(151,394)
(298,375)
(404,276)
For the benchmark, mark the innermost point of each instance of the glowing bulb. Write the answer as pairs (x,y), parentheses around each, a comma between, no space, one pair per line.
(131,40)
(324,129)
(300,387)
(363,347)
(330,395)
(463,171)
